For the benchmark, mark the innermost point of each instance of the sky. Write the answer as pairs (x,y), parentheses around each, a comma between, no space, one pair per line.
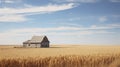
(62,21)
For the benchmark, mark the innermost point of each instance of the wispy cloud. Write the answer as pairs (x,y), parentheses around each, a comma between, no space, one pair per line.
(116,16)
(30,30)
(63,29)
(74,19)
(115,0)
(77,1)
(56,31)
(18,38)
(102,19)
(36,9)
(19,14)
(12,18)
(11,1)
(67,24)
(60,29)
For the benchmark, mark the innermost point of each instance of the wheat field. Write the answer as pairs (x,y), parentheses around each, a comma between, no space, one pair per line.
(60,56)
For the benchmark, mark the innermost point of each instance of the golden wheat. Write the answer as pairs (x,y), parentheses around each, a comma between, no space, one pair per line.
(62,61)
(60,56)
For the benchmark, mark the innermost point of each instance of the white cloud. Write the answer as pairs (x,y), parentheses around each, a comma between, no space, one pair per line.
(18,38)
(105,27)
(49,31)
(115,0)
(103,19)
(38,30)
(116,16)
(74,19)
(67,24)
(19,14)
(11,1)
(11,36)
(12,18)
(77,33)
(115,25)
(36,9)
(88,1)
(8,1)
(77,1)
(57,29)
(63,29)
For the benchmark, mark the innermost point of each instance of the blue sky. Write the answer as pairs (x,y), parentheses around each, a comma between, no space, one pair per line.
(63,21)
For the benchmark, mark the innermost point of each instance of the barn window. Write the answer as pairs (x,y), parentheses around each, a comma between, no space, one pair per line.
(28,44)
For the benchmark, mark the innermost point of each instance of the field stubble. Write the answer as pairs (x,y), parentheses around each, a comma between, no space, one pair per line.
(60,56)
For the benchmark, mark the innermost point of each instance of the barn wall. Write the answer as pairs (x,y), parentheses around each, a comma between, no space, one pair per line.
(38,45)
(24,45)
(32,45)
(45,44)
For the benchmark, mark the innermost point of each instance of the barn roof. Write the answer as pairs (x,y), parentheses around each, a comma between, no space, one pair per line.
(35,39)
(28,41)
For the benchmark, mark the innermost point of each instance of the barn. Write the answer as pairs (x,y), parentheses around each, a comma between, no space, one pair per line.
(37,42)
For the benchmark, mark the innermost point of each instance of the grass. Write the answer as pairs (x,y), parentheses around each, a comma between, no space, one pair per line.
(60,56)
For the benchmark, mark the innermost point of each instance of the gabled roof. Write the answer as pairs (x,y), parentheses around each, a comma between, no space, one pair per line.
(37,39)
(28,41)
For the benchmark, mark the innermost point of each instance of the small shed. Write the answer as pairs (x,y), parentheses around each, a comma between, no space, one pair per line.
(37,42)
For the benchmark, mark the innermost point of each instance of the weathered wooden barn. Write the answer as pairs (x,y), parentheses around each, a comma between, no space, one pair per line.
(37,42)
